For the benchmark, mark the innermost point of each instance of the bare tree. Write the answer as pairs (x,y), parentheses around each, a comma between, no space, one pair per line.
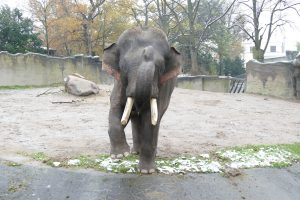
(142,11)
(257,30)
(194,23)
(163,16)
(41,10)
(88,15)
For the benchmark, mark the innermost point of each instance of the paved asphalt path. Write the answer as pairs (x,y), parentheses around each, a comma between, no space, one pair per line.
(28,182)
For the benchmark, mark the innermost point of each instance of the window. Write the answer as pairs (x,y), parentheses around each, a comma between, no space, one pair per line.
(272,48)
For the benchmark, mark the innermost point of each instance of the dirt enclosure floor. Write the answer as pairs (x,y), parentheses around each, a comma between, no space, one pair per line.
(196,122)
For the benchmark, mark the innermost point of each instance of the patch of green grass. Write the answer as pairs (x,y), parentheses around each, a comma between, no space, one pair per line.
(15,87)
(222,160)
(248,156)
(281,164)
(13,164)
(42,157)
(279,156)
(121,169)
(22,87)
(14,187)
(246,148)
(293,148)
(87,162)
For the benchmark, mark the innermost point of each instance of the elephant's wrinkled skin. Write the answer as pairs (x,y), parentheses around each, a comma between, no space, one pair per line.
(144,66)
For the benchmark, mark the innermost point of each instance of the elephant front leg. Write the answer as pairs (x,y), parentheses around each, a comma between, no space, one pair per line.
(149,136)
(119,146)
(136,134)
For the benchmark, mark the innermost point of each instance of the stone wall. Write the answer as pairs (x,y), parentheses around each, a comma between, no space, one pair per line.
(205,83)
(33,69)
(42,70)
(274,79)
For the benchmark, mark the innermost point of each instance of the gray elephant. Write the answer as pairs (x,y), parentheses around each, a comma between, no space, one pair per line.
(145,69)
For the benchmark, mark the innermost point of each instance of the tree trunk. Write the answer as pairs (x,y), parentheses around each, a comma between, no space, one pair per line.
(87,37)
(47,39)
(258,54)
(193,50)
(194,69)
(103,30)
(221,66)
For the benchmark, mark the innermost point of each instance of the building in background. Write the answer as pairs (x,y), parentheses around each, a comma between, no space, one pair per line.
(283,41)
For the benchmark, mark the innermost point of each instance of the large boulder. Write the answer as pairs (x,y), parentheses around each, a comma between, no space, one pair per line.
(79,86)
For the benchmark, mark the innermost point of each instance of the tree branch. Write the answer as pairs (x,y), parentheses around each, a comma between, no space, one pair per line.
(210,22)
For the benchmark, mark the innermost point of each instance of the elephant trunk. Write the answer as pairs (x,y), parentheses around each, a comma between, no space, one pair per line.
(147,90)
(146,83)
(145,94)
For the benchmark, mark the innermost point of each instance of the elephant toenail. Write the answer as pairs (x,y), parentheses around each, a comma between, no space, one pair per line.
(151,171)
(113,156)
(134,152)
(120,156)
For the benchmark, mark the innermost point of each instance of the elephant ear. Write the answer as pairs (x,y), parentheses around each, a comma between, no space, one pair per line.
(111,61)
(173,66)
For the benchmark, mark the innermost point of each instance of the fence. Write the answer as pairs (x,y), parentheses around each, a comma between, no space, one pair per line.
(225,84)
(237,85)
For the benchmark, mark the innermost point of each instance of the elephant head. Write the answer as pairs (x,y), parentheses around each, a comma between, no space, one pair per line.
(143,62)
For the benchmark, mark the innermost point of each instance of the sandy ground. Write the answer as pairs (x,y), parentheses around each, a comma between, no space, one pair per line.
(196,122)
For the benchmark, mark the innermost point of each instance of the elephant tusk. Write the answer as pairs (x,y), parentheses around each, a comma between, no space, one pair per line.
(127,111)
(154,113)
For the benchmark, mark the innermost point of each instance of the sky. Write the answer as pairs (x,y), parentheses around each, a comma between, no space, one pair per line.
(290,33)
(21,4)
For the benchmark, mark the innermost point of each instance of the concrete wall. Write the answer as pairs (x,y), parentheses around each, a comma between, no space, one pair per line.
(206,83)
(33,69)
(41,70)
(274,79)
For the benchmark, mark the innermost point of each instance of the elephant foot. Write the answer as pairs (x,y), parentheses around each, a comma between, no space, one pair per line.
(147,168)
(118,156)
(135,151)
(117,153)
(146,171)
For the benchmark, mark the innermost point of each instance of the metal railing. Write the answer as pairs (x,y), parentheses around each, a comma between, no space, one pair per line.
(237,85)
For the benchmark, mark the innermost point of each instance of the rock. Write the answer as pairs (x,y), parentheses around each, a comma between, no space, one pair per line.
(231,172)
(77,85)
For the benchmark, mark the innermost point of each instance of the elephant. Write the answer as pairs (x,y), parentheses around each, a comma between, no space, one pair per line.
(145,69)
